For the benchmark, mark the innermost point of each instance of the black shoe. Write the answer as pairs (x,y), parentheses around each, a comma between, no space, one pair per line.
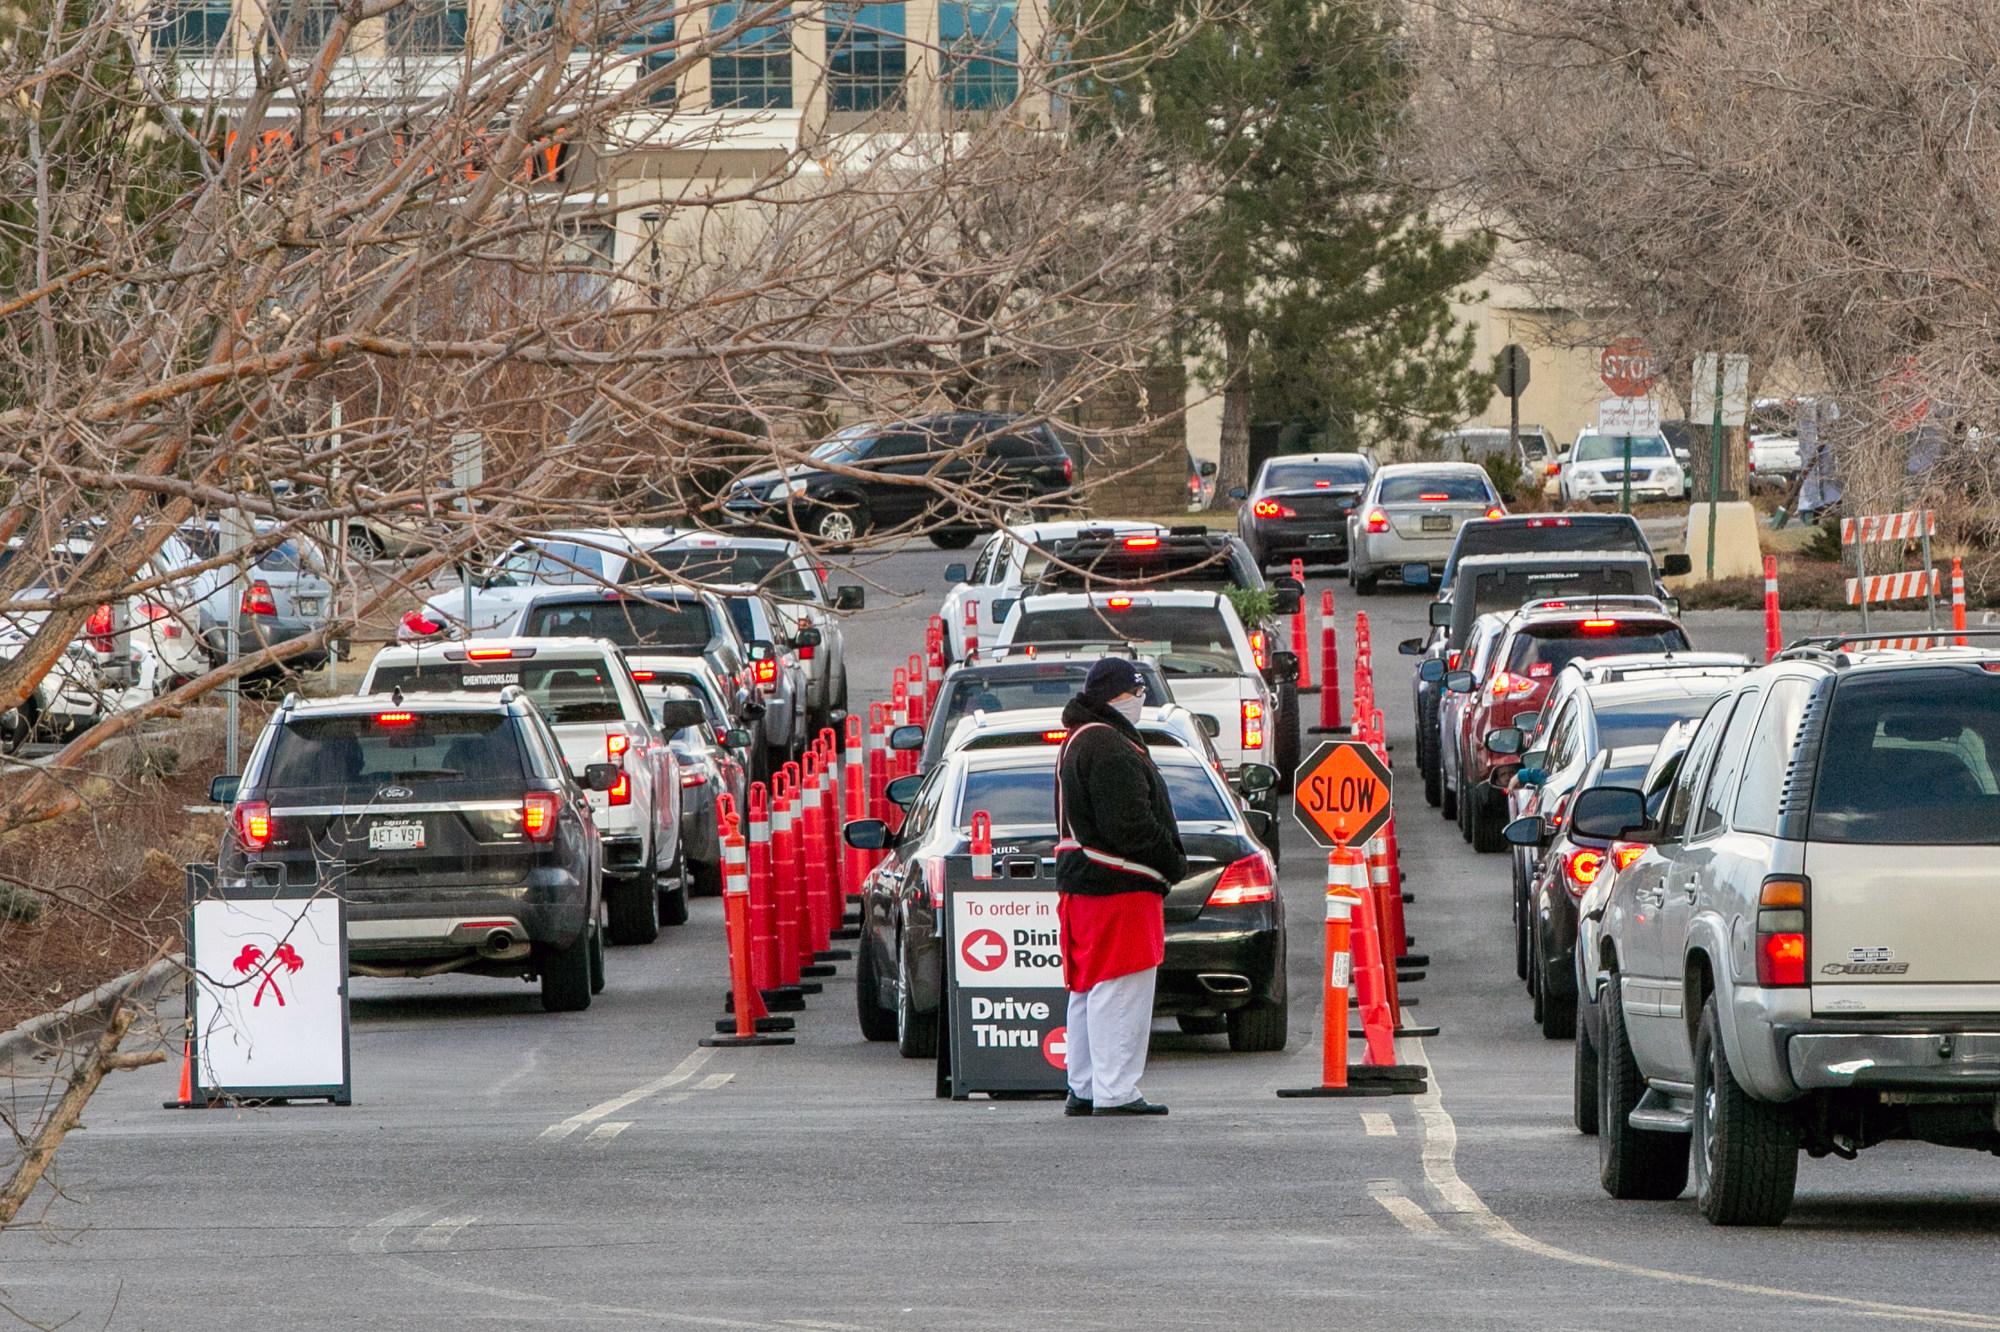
(1076,1105)
(1142,1106)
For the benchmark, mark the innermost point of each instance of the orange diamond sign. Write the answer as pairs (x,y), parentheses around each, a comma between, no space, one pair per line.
(1342,794)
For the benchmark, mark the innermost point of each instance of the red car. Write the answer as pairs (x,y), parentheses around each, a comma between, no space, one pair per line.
(1540,639)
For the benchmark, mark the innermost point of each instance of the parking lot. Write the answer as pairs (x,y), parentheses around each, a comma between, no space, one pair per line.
(506,1167)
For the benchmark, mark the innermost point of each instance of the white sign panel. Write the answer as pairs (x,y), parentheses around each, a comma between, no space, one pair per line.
(1735,389)
(1628,416)
(1006,940)
(270,1002)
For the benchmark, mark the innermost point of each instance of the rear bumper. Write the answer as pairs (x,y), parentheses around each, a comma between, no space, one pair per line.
(1307,538)
(410,922)
(624,853)
(1220,961)
(1900,1056)
(1381,550)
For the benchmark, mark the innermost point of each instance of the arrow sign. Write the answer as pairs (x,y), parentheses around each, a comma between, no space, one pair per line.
(1055,1047)
(984,950)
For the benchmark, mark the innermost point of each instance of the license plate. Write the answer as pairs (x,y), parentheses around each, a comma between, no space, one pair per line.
(1317,540)
(308,605)
(398,836)
(1437,522)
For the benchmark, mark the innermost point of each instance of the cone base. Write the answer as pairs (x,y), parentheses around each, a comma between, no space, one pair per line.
(833,955)
(1363,1089)
(746,1040)
(763,1024)
(816,969)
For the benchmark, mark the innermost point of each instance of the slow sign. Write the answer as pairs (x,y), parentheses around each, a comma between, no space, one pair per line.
(1342,794)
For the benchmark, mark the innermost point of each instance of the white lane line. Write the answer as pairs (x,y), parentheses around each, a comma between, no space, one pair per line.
(1408,1213)
(714,1080)
(439,1233)
(375,1235)
(603,1134)
(680,1073)
(1377,1125)
(676,1098)
(1440,1158)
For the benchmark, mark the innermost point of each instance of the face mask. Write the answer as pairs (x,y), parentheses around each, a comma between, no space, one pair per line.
(1128,707)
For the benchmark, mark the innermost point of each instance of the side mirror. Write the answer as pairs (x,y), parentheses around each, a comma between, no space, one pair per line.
(1287,583)
(1207,469)
(1211,726)
(1524,831)
(1411,647)
(1607,813)
(849,596)
(1256,778)
(761,650)
(1528,721)
(222,790)
(1460,682)
(1003,608)
(1285,665)
(904,789)
(600,776)
(907,738)
(1286,600)
(737,737)
(808,637)
(1431,671)
(1676,564)
(866,835)
(1440,615)
(1504,740)
(1673,605)
(956,573)
(1416,574)
(1238,493)
(677,714)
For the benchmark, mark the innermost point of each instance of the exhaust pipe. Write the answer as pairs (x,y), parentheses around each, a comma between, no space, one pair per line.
(498,941)
(1222,983)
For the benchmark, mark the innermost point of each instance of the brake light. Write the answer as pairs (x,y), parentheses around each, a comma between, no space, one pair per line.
(766,672)
(1054,737)
(1248,880)
(1581,867)
(615,744)
(538,816)
(643,677)
(1599,626)
(1377,521)
(1322,485)
(934,882)
(1506,684)
(253,825)
(972,612)
(419,623)
(1141,543)
(1069,468)
(1267,508)
(1253,725)
(489,654)
(806,651)
(1257,648)
(1554,818)
(621,790)
(395,718)
(98,626)
(1434,497)
(1496,512)
(1451,661)
(693,777)
(1781,931)
(1549,522)
(152,612)
(1624,853)
(1118,603)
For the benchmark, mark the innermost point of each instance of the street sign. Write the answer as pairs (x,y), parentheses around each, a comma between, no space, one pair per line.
(1628,416)
(1510,370)
(1342,794)
(1735,389)
(1005,1003)
(1627,368)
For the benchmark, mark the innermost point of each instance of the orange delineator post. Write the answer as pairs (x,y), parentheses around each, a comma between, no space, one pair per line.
(854,794)
(813,868)
(1329,664)
(1377,856)
(1301,635)
(933,659)
(744,1000)
(1774,638)
(786,888)
(765,971)
(1958,599)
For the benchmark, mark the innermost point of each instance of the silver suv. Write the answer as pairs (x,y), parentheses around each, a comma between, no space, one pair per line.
(1806,951)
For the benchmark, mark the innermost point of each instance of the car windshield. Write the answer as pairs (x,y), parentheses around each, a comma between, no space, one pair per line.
(1017,797)
(1522,536)
(576,690)
(1540,651)
(371,749)
(1184,640)
(1444,488)
(289,557)
(1314,475)
(1644,722)
(1909,758)
(632,622)
(845,446)
(1048,686)
(1602,448)
(563,565)
(1201,565)
(770,570)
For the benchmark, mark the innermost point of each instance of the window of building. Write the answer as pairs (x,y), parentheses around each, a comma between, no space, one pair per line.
(752,70)
(652,48)
(301,25)
(982,53)
(192,25)
(425,27)
(866,57)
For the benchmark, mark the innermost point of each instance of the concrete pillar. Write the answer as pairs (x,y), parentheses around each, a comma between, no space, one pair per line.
(922,90)
(809,68)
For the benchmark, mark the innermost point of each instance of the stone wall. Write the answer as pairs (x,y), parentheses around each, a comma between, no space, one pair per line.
(1130,438)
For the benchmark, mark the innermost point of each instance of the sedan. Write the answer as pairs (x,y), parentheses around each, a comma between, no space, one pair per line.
(1410,517)
(1299,505)
(1225,957)
(1594,469)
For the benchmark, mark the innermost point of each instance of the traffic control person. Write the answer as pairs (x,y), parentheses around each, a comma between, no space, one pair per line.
(1119,851)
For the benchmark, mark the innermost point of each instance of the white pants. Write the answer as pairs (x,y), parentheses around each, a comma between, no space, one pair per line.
(1109,1025)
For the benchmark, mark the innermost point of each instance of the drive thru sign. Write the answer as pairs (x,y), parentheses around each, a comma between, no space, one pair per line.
(1342,793)
(1004,1001)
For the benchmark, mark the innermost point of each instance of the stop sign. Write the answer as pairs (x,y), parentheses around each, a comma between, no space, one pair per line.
(1626,367)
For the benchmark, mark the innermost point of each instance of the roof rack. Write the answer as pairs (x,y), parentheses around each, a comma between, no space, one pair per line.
(1828,645)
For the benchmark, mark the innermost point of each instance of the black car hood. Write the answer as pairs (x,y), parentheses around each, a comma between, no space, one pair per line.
(758,480)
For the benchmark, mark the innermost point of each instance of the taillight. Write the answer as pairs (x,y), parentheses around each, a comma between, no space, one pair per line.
(253,825)
(766,672)
(1781,931)
(934,882)
(1433,497)
(395,718)
(693,777)
(621,790)
(806,651)
(419,623)
(1553,469)
(1496,512)
(1142,543)
(1253,725)
(1248,880)
(538,816)
(152,612)
(1054,737)
(98,626)
(972,612)
(1506,684)
(1267,508)
(1554,818)
(1451,661)
(1624,853)
(257,599)
(643,677)
(1069,468)
(1377,521)
(1257,648)
(1581,867)
(616,744)
(1600,626)
(1118,603)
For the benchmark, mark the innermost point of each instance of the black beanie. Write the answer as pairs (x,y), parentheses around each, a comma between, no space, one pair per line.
(1111,677)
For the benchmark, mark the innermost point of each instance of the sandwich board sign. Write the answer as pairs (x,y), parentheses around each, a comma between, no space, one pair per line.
(1005,1004)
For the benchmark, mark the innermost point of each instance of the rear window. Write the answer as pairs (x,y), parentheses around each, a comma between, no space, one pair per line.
(1315,476)
(1528,535)
(432,749)
(1183,640)
(744,616)
(1049,687)
(771,570)
(564,691)
(1453,489)
(1644,723)
(1184,566)
(1909,759)
(1504,589)
(634,622)
(1027,796)
(1540,652)
(289,557)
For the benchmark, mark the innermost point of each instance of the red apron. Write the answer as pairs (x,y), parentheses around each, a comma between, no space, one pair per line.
(1105,937)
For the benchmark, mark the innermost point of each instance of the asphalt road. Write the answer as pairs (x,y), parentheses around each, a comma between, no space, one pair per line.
(503,1167)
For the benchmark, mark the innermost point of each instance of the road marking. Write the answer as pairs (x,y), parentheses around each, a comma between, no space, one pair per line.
(1408,1214)
(1377,1125)
(605,1132)
(714,1080)
(438,1234)
(680,1073)
(1440,1158)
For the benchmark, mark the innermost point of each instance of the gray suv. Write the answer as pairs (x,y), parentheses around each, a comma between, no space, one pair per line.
(1806,951)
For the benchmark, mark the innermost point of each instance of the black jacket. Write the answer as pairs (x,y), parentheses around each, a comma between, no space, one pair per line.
(1115,803)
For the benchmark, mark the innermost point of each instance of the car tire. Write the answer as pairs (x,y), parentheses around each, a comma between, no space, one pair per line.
(1746,1152)
(707,878)
(1259,1028)
(1486,821)
(1433,786)
(596,959)
(1631,1163)
(566,976)
(363,544)
(840,524)
(1202,1024)
(877,1022)
(1521,933)
(1447,795)
(673,900)
(1583,1084)
(952,538)
(1555,1010)
(1364,583)
(916,1033)
(633,906)
(18,726)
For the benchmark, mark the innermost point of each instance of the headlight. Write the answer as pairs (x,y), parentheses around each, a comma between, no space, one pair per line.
(786,490)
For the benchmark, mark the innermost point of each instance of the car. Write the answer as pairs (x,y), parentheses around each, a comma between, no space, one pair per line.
(1595,466)
(1774,460)
(1803,956)
(491,601)
(1408,519)
(1200,646)
(1225,927)
(585,692)
(775,667)
(1201,482)
(1481,641)
(1009,562)
(1532,449)
(703,745)
(1000,682)
(919,474)
(1298,507)
(1536,641)
(450,824)
(281,594)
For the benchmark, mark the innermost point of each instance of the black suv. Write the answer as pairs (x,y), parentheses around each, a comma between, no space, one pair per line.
(451,825)
(880,477)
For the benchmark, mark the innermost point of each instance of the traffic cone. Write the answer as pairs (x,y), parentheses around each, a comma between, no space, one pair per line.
(1301,635)
(185,1101)
(1329,668)
(752,1024)
(1958,600)
(1372,984)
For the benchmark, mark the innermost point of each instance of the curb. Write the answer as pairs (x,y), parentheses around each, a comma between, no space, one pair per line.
(40,1038)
